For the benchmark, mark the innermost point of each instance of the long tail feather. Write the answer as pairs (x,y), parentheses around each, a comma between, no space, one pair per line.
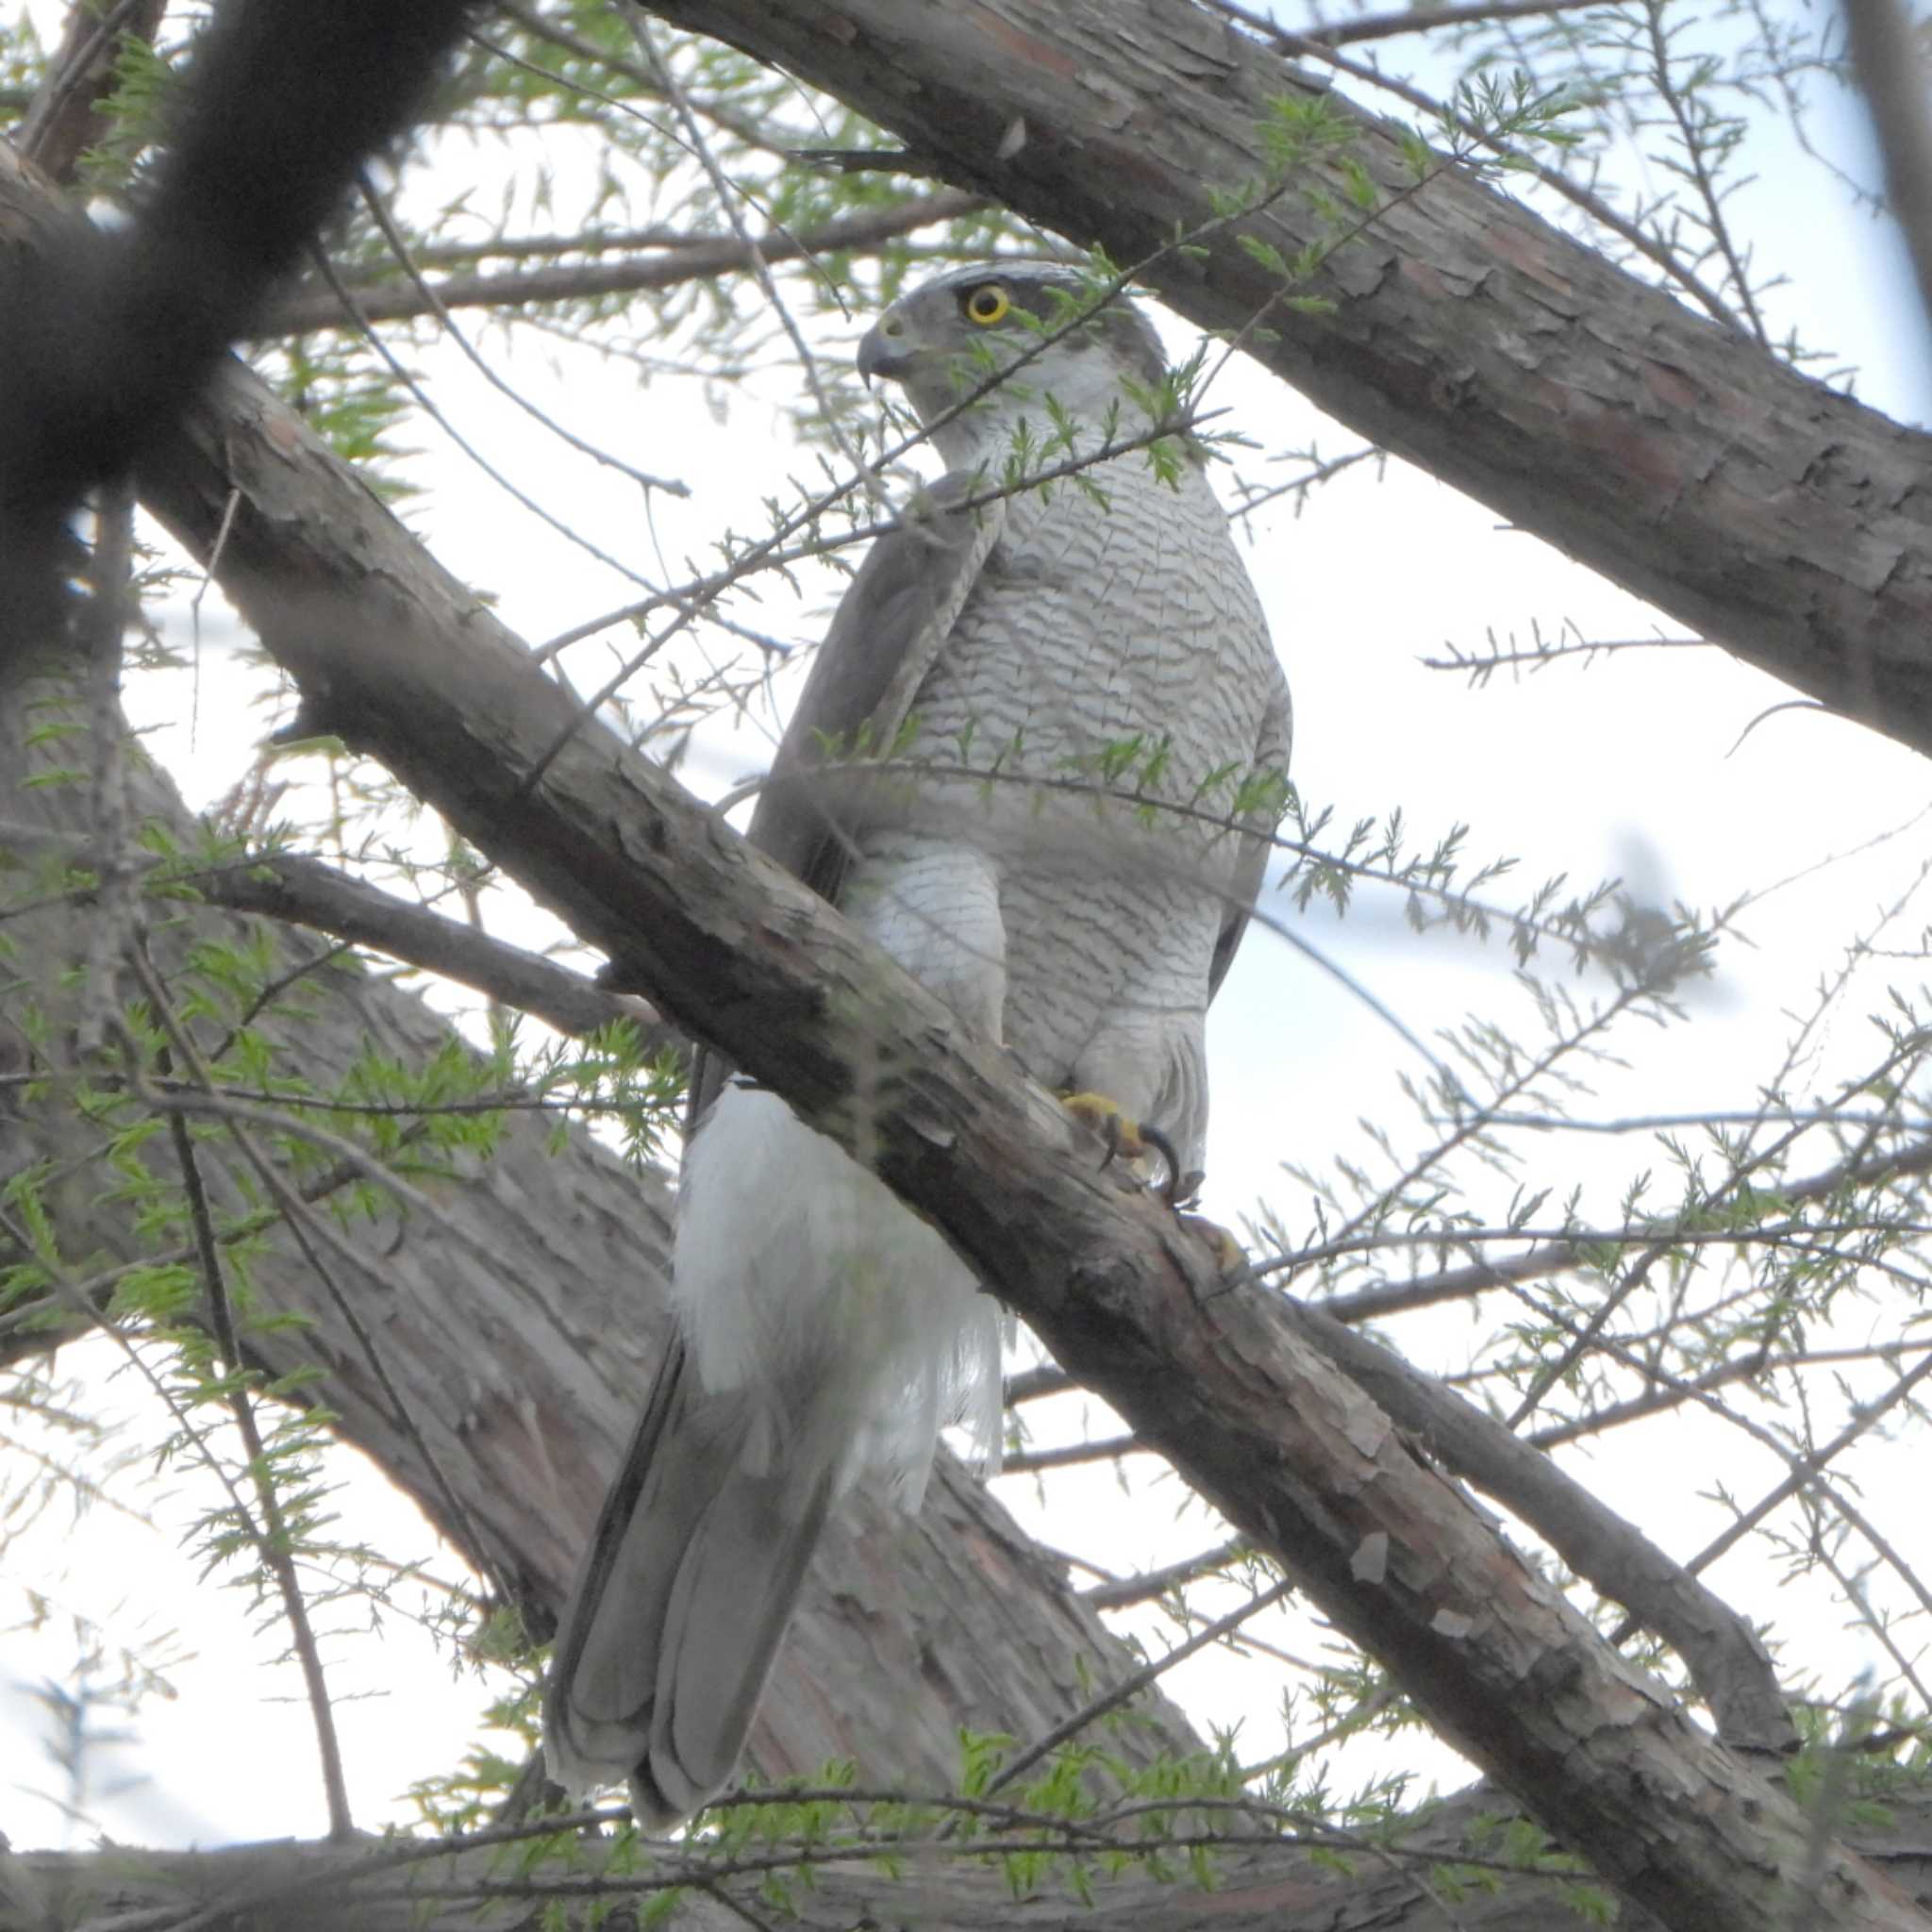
(827,1334)
(689,1582)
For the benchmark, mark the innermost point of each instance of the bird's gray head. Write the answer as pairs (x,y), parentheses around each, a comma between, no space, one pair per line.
(945,339)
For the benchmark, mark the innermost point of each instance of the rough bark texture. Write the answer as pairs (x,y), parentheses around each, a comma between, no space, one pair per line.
(521,1332)
(1779,518)
(1726,1657)
(406,665)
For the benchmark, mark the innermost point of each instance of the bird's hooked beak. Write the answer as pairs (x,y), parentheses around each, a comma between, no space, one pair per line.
(886,349)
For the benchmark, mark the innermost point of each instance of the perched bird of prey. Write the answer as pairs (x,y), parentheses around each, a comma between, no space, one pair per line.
(1018,681)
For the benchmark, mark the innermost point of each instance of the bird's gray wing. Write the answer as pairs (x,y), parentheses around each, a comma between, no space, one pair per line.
(1251,867)
(893,620)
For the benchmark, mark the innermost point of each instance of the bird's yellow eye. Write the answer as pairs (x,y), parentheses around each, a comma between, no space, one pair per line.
(987,304)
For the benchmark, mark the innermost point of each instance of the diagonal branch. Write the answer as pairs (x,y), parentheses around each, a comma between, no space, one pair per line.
(1728,1662)
(285,884)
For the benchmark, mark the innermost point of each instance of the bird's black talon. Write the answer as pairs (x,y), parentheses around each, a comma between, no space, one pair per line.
(1164,1147)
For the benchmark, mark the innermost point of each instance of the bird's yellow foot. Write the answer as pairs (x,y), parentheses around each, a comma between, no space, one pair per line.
(1134,1143)
(1110,1121)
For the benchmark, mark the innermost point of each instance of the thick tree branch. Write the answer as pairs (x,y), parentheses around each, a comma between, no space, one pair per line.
(1763,511)
(103,335)
(286,886)
(1724,1655)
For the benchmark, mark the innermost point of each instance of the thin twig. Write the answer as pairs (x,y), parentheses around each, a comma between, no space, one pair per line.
(1555,1254)
(1152,1583)
(729,197)
(1309,480)
(1132,1685)
(539,27)
(1030,1461)
(1427,19)
(306,1229)
(399,246)
(1804,1469)
(103,623)
(679,261)
(563,527)
(274,1543)
(1479,668)
(1690,132)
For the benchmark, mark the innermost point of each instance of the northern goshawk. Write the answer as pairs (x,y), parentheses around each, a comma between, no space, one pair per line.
(1031,761)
